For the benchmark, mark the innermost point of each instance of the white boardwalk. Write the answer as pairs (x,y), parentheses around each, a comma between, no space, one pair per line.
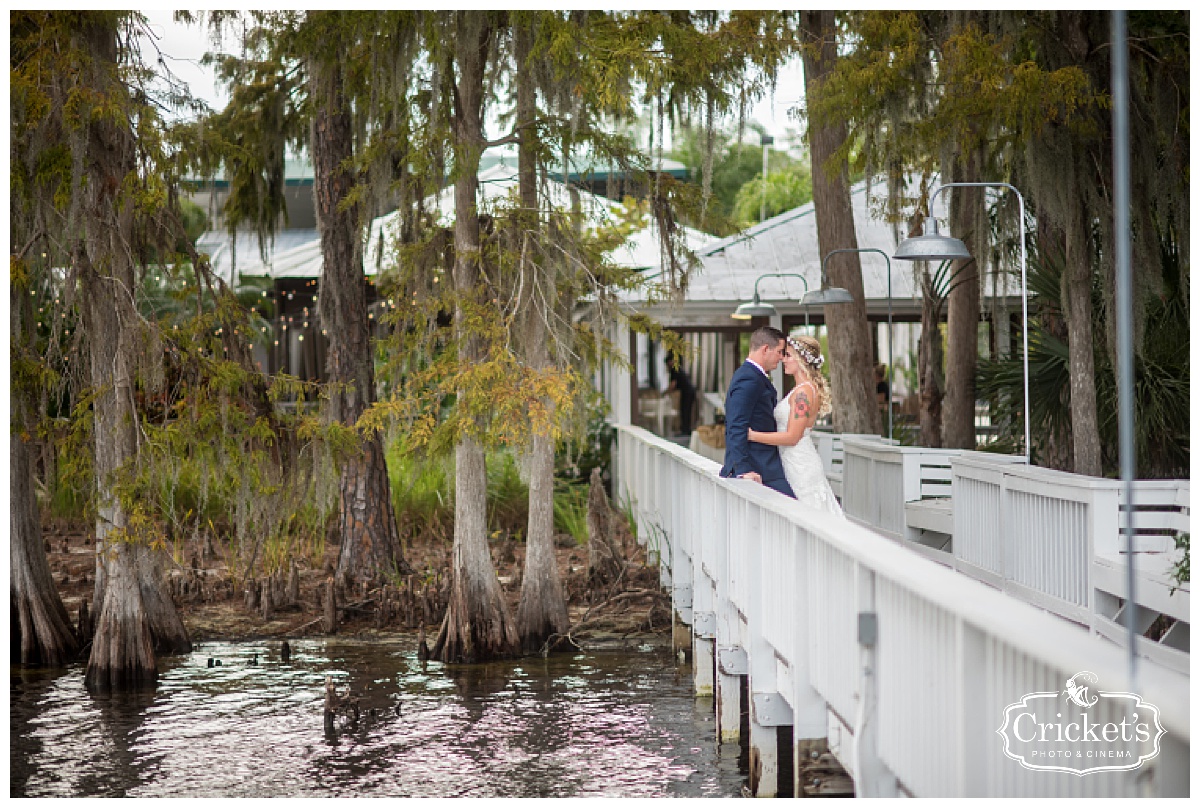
(902,665)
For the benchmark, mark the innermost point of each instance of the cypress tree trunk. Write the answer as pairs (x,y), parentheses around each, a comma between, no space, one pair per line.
(1077,297)
(929,363)
(1052,444)
(542,611)
(135,617)
(477,625)
(849,332)
(366,520)
(40,631)
(962,317)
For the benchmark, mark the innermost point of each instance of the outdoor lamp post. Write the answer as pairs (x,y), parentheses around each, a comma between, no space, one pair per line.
(756,308)
(891,369)
(935,247)
(827,294)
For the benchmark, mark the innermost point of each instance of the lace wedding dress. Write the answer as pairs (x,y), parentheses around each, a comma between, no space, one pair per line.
(802,466)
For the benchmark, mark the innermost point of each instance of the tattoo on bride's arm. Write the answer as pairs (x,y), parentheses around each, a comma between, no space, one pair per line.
(800,405)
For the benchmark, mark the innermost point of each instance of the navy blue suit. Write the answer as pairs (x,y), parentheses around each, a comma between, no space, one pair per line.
(750,404)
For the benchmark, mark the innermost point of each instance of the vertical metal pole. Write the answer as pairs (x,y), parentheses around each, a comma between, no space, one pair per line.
(1024,324)
(762,213)
(1124,301)
(891,367)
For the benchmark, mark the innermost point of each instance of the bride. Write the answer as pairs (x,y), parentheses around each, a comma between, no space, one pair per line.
(794,416)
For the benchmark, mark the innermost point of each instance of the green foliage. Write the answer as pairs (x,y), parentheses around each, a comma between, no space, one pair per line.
(423,495)
(734,166)
(422,491)
(1181,570)
(570,511)
(587,448)
(785,190)
(1161,381)
(626,508)
(507,495)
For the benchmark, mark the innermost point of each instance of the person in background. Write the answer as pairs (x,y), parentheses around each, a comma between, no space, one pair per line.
(681,381)
(881,391)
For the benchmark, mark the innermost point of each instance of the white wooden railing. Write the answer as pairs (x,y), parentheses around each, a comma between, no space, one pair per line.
(1054,539)
(832,452)
(879,477)
(883,481)
(780,594)
(1048,537)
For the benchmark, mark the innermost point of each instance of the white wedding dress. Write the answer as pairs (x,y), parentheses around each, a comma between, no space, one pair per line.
(802,466)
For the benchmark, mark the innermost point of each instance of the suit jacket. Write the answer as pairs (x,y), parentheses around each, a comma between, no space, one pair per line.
(750,404)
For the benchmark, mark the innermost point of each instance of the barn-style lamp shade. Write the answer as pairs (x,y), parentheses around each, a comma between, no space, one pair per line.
(932,246)
(830,296)
(827,295)
(755,308)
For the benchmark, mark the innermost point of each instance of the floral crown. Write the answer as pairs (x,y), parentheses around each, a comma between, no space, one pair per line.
(816,360)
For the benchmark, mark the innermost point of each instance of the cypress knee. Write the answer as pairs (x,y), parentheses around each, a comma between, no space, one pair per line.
(330,607)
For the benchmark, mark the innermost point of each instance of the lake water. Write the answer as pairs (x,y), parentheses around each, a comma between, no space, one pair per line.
(603,723)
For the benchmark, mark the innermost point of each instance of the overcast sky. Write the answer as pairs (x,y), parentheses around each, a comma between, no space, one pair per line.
(183,46)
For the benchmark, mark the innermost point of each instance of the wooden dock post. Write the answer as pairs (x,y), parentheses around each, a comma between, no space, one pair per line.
(731,667)
(704,645)
(768,711)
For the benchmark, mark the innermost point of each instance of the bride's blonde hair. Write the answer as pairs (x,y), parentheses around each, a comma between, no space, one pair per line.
(808,351)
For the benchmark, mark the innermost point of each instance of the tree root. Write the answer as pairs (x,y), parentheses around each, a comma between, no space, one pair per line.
(586,620)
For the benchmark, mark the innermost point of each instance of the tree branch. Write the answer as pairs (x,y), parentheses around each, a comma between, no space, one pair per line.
(504,141)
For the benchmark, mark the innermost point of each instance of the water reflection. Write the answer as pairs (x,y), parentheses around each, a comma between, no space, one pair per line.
(612,724)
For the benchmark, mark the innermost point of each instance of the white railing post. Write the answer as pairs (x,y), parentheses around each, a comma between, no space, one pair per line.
(729,653)
(810,722)
(711,519)
(871,775)
(972,724)
(765,701)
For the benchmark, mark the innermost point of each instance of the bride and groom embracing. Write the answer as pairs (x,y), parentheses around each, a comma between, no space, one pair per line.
(767,440)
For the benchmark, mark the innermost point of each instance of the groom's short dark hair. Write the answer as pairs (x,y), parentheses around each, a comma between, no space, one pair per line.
(767,335)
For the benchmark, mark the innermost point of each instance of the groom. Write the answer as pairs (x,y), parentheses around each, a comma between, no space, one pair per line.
(750,404)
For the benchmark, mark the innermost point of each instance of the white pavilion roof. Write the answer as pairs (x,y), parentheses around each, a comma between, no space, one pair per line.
(640,251)
(786,243)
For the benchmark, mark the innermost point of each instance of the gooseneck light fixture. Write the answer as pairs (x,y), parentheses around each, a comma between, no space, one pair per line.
(757,308)
(935,247)
(827,295)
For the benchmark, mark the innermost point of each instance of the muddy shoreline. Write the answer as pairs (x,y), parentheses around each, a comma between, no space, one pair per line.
(215,607)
